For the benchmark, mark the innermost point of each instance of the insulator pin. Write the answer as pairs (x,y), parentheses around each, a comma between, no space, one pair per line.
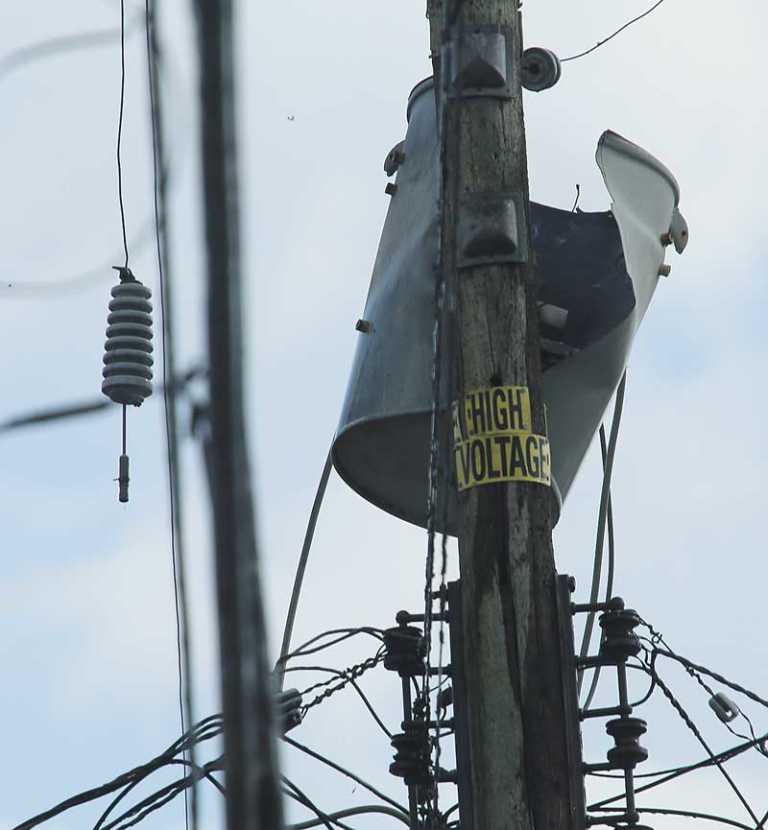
(128,349)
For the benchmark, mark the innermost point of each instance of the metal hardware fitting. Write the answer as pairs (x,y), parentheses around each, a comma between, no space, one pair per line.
(481,65)
(395,157)
(491,229)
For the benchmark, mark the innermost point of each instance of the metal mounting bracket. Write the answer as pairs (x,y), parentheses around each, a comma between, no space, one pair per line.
(481,64)
(491,229)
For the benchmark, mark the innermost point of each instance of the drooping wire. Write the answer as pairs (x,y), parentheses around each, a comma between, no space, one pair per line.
(611,562)
(613,35)
(120,129)
(601,521)
(352,811)
(318,757)
(183,647)
(699,737)
(33,52)
(292,791)
(298,580)
(666,811)
(666,775)
(349,677)
(343,634)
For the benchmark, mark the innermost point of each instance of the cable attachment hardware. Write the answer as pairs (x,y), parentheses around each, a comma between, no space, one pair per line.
(412,755)
(628,752)
(725,709)
(405,649)
(289,709)
(128,358)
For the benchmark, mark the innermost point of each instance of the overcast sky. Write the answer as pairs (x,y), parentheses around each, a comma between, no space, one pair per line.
(88,641)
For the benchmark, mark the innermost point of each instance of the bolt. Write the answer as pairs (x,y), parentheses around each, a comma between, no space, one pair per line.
(364,326)
(390,189)
(666,238)
(664,270)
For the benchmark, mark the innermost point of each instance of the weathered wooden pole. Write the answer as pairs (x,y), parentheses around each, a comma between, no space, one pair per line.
(515,704)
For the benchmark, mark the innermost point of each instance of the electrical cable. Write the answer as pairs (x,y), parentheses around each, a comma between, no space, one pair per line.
(345,634)
(183,646)
(692,726)
(353,811)
(61,44)
(665,811)
(298,579)
(354,685)
(206,729)
(345,772)
(612,36)
(139,811)
(689,665)
(601,522)
(120,129)
(611,564)
(303,798)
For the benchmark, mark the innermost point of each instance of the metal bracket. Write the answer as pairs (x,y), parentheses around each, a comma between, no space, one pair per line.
(491,229)
(481,65)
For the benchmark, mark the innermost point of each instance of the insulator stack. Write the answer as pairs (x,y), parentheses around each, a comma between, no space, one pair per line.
(405,648)
(412,755)
(128,350)
(619,641)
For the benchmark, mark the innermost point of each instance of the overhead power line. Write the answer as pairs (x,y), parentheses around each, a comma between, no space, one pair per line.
(170,411)
(613,35)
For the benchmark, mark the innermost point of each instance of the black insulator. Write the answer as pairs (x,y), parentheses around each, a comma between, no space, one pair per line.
(405,648)
(626,733)
(619,638)
(128,350)
(412,755)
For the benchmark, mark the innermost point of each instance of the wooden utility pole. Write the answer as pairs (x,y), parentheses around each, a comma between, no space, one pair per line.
(515,704)
(253,798)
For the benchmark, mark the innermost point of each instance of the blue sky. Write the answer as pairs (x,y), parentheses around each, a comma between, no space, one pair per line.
(88,639)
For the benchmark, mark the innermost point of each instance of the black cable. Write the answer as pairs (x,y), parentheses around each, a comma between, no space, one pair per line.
(665,811)
(671,774)
(183,648)
(601,522)
(352,811)
(345,634)
(139,811)
(120,128)
(612,36)
(689,665)
(692,726)
(323,818)
(298,580)
(354,685)
(61,44)
(611,561)
(206,729)
(345,772)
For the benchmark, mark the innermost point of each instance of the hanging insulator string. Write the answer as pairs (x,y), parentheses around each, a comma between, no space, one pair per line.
(128,355)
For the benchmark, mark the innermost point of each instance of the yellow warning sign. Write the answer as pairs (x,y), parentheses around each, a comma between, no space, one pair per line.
(493,439)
